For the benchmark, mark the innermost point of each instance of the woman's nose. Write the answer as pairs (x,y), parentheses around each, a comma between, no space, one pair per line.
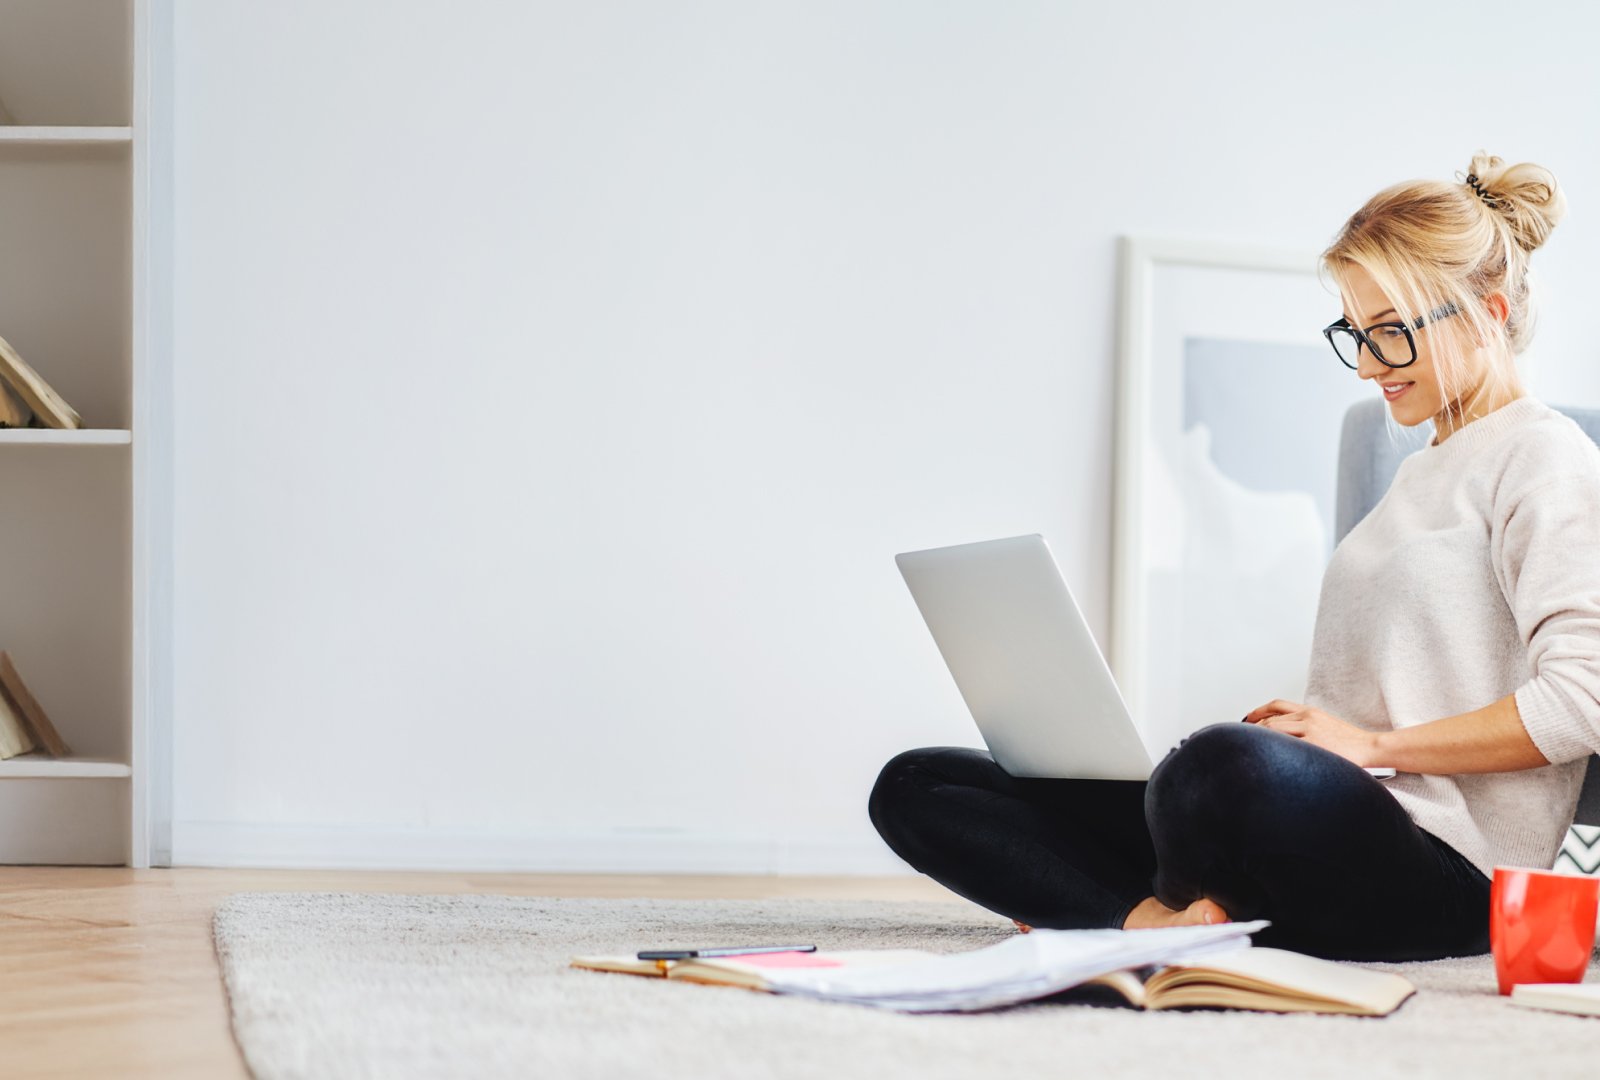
(1369,366)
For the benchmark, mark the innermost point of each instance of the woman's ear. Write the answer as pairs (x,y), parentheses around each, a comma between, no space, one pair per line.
(1499,310)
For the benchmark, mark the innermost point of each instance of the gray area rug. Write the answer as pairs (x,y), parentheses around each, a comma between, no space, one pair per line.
(373,985)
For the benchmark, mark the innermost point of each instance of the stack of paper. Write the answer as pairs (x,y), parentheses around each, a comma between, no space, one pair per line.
(1022,968)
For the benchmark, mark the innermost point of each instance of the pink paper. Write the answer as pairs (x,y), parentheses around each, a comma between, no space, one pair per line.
(782,960)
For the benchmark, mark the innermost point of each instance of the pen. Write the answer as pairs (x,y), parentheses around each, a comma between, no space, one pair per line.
(734,950)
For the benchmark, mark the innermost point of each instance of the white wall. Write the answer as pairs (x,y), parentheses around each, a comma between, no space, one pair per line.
(554,383)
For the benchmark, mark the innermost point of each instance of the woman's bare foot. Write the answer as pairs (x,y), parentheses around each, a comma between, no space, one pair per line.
(1151,912)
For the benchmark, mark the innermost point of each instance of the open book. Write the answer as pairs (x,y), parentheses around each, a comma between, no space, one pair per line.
(1268,980)
(1153,969)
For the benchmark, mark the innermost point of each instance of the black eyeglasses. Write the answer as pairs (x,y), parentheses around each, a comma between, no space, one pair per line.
(1389,341)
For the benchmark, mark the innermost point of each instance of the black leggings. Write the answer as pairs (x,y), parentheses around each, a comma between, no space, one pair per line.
(1266,825)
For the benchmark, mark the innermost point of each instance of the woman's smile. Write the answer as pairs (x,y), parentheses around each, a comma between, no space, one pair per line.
(1394,390)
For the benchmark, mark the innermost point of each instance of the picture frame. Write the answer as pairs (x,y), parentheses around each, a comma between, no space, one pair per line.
(1229,405)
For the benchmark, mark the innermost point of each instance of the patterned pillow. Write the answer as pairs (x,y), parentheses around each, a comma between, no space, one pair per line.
(1580,851)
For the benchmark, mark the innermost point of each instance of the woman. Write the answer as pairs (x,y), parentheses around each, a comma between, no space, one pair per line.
(1457,640)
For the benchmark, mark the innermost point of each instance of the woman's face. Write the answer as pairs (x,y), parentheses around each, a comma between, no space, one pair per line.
(1419,396)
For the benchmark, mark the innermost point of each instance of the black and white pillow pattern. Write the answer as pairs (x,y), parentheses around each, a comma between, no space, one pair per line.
(1580,851)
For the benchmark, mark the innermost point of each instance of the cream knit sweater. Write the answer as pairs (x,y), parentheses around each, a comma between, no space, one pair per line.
(1477,575)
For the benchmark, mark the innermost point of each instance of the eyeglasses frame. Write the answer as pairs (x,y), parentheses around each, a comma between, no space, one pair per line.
(1363,337)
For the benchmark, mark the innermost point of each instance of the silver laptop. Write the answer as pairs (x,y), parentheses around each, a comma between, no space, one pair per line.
(1025,661)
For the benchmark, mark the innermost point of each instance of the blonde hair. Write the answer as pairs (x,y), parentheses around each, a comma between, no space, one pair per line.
(1429,243)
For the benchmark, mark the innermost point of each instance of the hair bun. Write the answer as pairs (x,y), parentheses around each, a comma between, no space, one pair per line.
(1526,195)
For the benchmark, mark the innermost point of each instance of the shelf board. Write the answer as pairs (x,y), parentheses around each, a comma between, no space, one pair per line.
(34,765)
(54,437)
(36,136)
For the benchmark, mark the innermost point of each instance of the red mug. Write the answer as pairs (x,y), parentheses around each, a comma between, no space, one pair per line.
(1541,925)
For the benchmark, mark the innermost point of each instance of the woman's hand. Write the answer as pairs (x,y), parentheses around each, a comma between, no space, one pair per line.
(1320,729)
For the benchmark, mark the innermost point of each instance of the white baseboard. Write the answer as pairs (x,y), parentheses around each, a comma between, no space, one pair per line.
(625,851)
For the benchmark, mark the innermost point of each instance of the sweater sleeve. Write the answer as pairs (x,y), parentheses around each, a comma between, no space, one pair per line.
(1547,555)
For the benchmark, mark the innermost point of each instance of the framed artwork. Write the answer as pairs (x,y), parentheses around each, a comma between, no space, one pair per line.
(1229,405)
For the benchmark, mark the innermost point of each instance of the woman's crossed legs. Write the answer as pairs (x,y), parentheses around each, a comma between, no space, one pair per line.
(1263,824)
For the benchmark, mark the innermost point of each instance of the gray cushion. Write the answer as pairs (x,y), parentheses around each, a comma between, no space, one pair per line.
(1368,459)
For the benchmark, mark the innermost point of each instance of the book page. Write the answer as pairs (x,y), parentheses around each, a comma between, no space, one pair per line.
(1126,983)
(1289,975)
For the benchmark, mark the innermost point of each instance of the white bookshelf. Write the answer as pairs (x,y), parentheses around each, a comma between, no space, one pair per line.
(73,544)
(35,765)
(47,437)
(19,135)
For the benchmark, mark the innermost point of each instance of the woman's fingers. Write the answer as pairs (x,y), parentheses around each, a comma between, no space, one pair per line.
(1275,707)
(1289,725)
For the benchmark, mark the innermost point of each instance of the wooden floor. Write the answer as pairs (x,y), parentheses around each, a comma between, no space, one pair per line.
(111,972)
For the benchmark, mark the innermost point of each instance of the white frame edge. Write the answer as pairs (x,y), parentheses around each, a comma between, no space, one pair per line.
(1138,258)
